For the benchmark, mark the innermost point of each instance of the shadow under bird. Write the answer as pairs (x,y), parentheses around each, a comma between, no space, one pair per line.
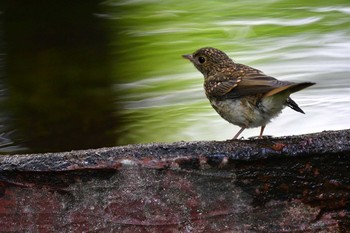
(240,94)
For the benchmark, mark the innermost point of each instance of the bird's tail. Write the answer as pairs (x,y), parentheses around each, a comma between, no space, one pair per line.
(289,89)
(291,103)
(294,88)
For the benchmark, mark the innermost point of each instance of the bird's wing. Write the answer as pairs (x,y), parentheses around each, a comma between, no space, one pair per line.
(216,87)
(254,83)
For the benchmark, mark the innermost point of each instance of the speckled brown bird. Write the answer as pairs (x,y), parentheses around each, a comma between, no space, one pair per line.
(242,95)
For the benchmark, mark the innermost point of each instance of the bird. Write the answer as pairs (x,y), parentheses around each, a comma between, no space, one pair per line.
(240,94)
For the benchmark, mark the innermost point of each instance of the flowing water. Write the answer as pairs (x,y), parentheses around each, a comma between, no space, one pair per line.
(159,97)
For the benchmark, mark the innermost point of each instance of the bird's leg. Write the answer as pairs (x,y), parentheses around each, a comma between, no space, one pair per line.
(239,132)
(262,131)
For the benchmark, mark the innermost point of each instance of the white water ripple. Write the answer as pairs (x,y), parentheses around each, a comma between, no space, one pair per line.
(270,21)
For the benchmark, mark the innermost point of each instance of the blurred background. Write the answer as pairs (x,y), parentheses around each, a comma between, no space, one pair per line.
(89,74)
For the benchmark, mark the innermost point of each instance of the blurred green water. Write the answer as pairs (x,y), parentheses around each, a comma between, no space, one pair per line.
(162,94)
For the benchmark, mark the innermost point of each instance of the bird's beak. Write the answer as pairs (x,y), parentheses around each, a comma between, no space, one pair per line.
(188,57)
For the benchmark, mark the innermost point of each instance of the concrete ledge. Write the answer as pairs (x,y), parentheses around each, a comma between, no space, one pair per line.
(289,184)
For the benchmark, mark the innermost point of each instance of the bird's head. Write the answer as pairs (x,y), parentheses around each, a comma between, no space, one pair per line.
(209,60)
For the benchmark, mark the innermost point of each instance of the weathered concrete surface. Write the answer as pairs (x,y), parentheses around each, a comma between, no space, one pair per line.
(290,184)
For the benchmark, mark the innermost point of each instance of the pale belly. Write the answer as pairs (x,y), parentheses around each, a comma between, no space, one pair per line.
(245,113)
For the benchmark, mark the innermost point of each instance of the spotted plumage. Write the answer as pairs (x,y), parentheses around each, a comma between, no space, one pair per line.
(243,95)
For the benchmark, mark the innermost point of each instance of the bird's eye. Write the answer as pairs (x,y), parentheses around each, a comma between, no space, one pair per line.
(201,59)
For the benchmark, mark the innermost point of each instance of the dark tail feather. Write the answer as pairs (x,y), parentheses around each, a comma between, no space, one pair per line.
(297,87)
(290,103)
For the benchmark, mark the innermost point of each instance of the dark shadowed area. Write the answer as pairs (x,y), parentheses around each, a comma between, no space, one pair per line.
(56,77)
